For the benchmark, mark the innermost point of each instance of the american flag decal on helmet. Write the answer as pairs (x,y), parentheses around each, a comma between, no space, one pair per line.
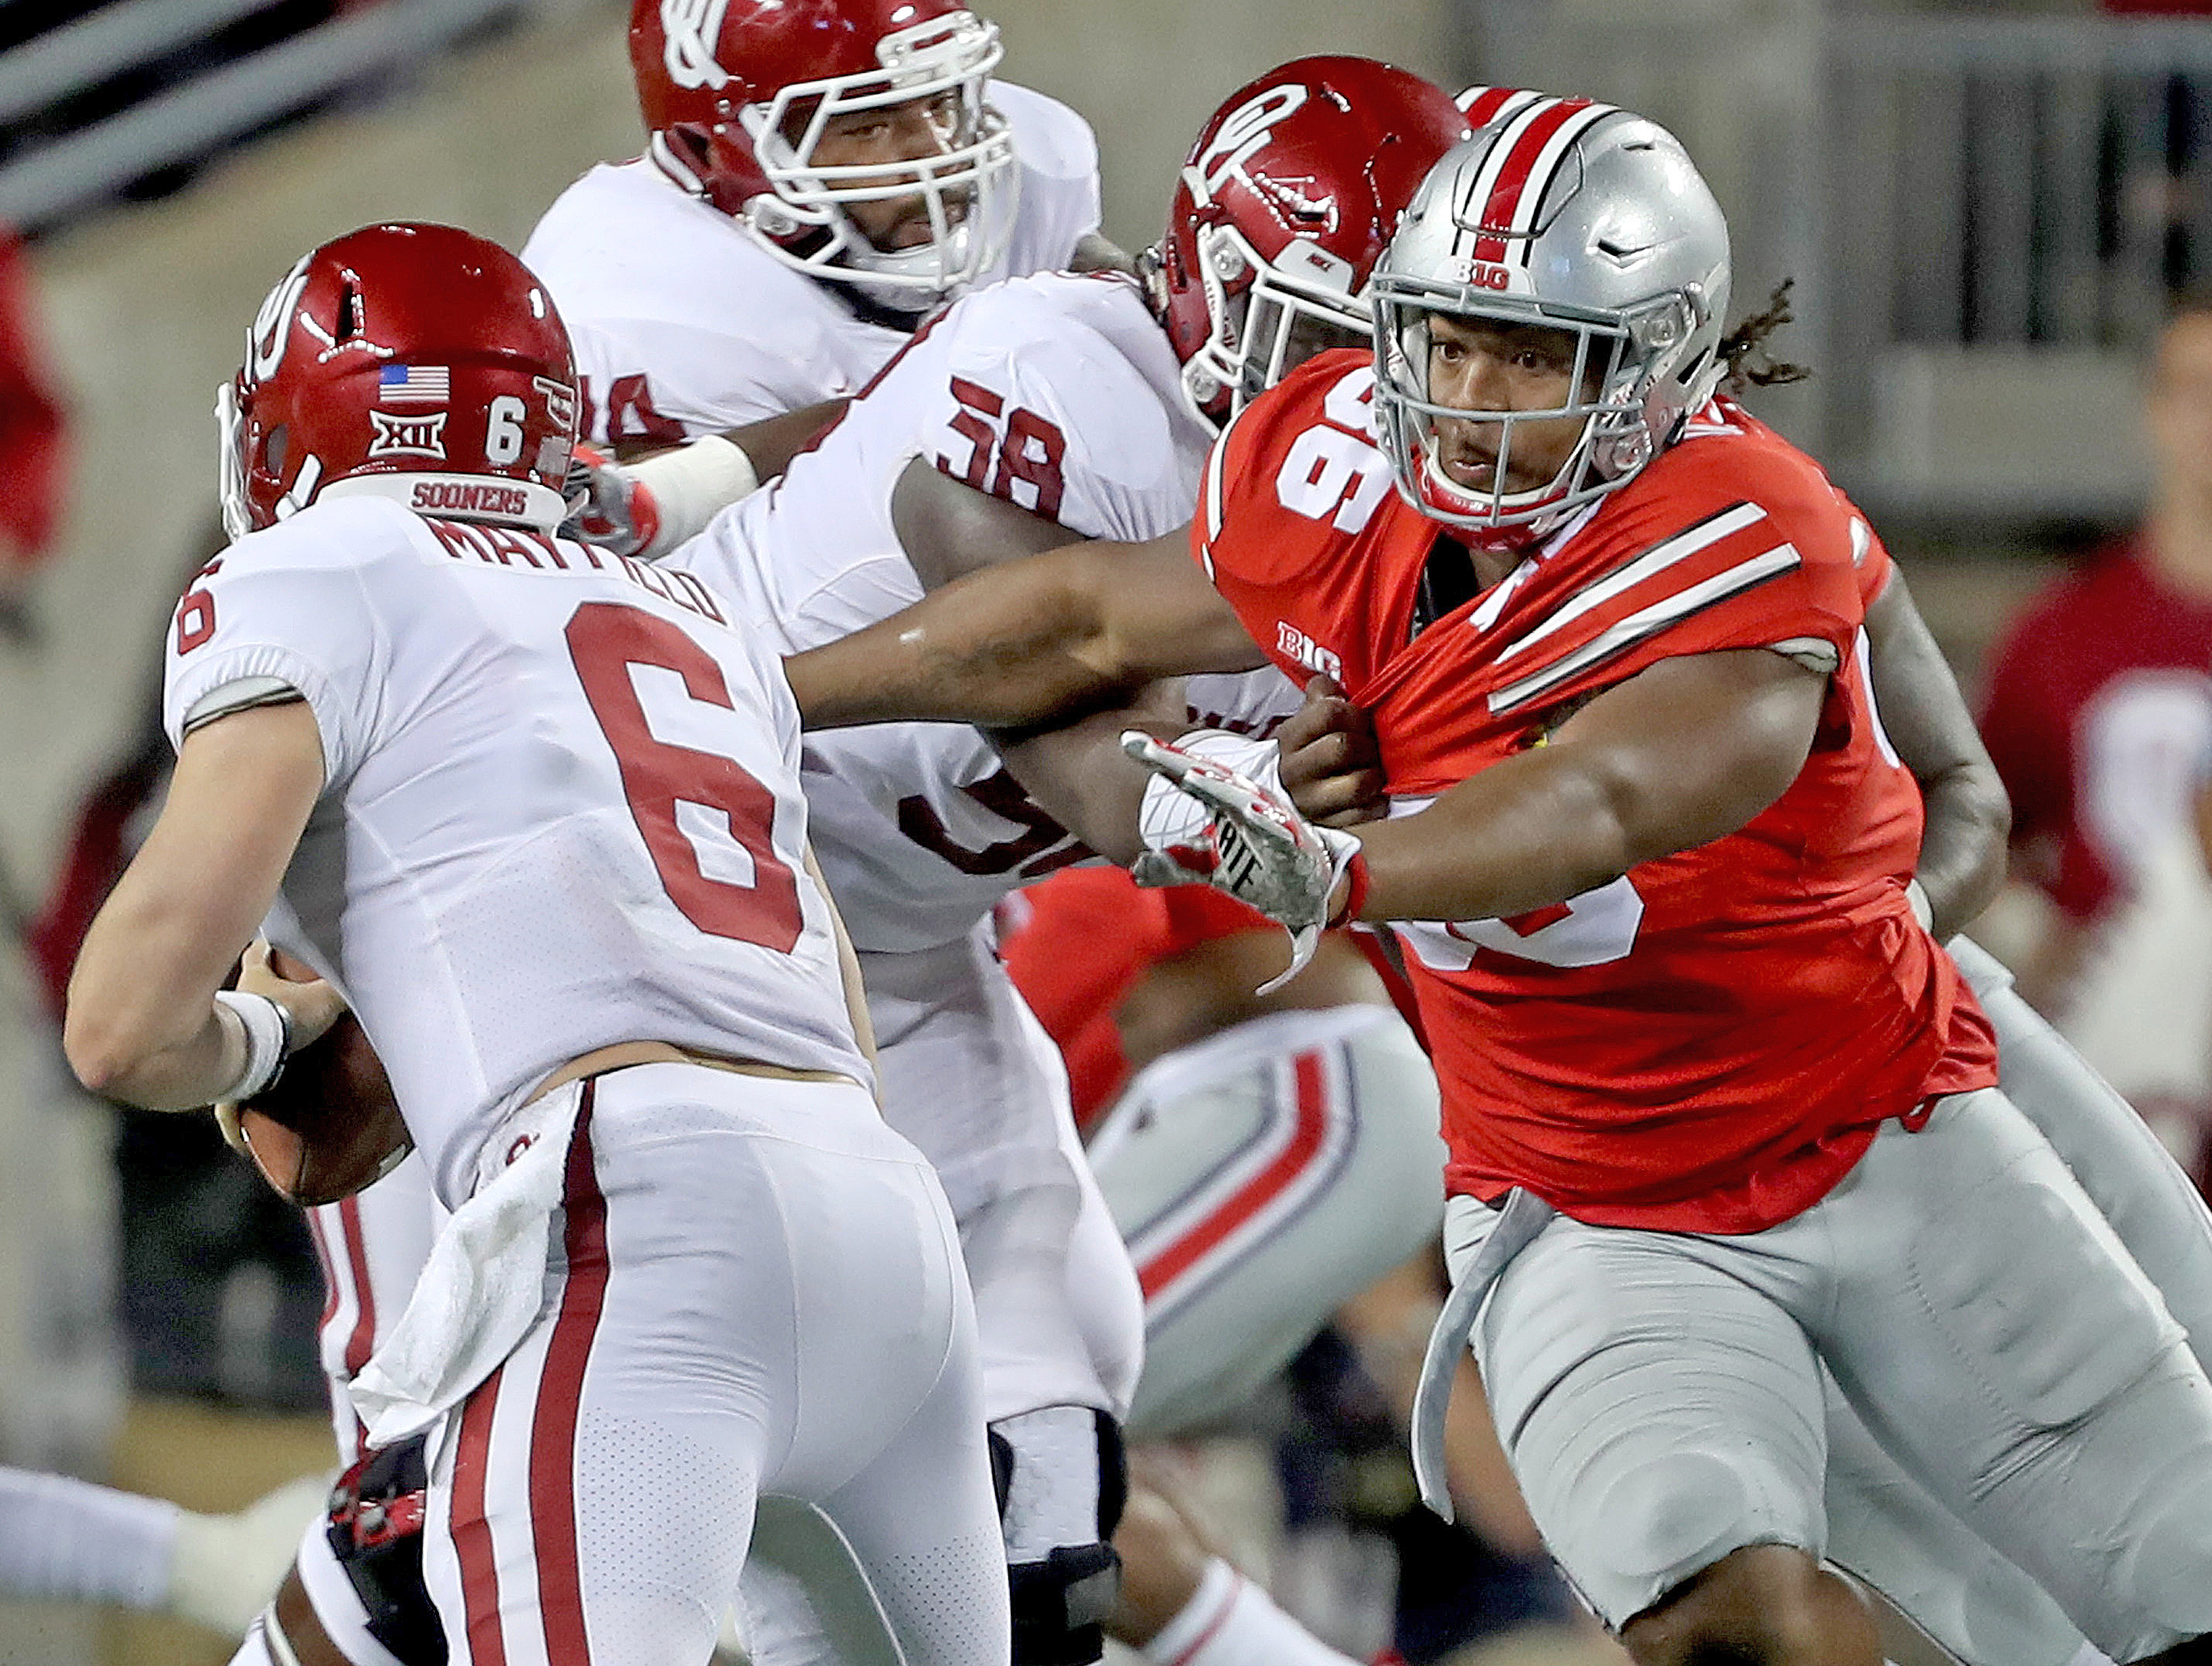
(1500,208)
(414,384)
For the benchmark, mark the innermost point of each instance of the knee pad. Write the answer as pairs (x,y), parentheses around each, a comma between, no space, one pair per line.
(375,1531)
(1062,1480)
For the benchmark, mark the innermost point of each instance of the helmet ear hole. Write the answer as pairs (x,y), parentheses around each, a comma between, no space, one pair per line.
(273,449)
(693,144)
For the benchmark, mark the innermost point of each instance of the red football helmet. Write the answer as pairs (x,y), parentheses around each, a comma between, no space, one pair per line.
(1284,204)
(737,94)
(409,361)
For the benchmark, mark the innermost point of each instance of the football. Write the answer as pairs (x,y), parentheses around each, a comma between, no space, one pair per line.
(329,1126)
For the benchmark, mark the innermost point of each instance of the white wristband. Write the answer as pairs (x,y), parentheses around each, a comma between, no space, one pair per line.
(1916,894)
(268,1030)
(1171,817)
(690,485)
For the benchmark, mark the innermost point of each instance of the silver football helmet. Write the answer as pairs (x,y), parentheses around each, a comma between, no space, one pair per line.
(1573,216)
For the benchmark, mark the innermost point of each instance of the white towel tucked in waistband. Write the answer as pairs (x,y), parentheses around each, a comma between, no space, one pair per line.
(490,1274)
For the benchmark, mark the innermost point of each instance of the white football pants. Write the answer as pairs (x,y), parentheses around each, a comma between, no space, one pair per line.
(761,1295)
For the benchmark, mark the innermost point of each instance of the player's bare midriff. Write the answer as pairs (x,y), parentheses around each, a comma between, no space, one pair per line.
(622,1054)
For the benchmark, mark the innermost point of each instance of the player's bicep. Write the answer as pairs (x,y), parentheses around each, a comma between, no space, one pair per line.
(1159,616)
(948,529)
(1922,710)
(195,893)
(1695,747)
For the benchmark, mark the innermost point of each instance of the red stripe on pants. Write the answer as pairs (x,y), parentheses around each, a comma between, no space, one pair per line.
(560,1395)
(1255,1194)
(362,1342)
(471,1533)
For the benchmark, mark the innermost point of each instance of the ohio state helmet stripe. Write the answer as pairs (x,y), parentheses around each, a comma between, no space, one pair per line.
(1652,562)
(1484,105)
(1517,172)
(1640,627)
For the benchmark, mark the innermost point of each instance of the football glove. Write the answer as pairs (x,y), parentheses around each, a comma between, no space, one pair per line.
(1249,843)
(608,507)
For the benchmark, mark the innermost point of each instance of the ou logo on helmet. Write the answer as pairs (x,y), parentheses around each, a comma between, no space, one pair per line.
(688,30)
(272,325)
(1247,128)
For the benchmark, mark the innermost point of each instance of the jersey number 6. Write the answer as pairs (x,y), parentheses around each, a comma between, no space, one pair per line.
(604,640)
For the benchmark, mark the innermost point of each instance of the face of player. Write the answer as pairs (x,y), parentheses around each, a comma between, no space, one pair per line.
(2180,407)
(919,129)
(1486,364)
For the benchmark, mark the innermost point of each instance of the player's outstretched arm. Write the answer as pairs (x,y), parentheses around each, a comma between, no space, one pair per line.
(142,1024)
(1674,757)
(1034,642)
(1962,850)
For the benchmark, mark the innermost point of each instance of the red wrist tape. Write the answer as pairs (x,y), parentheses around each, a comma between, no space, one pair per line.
(1355,898)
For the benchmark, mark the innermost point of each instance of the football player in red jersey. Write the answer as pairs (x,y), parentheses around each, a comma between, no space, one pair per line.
(1716,1102)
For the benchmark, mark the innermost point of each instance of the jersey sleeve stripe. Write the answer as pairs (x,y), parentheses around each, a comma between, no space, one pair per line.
(1210,497)
(1652,562)
(1641,626)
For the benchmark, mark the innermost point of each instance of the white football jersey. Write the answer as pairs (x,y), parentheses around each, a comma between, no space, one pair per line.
(684,324)
(561,806)
(1057,392)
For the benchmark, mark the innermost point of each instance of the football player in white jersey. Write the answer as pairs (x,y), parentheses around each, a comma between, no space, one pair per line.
(533,812)
(1088,403)
(819,175)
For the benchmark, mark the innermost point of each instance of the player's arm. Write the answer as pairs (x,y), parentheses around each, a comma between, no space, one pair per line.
(1080,773)
(1962,852)
(1673,758)
(1096,252)
(1033,642)
(656,497)
(949,530)
(142,1024)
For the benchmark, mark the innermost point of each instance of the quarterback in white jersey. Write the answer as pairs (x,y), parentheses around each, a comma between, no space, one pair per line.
(533,811)
(707,286)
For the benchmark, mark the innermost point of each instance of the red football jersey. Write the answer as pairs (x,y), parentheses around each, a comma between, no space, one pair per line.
(1708,1042)
(2098,709)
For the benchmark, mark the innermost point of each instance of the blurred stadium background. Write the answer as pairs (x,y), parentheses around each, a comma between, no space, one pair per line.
(1984,207)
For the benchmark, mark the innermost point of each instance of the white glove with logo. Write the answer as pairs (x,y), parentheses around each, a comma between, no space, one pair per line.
(1241,835)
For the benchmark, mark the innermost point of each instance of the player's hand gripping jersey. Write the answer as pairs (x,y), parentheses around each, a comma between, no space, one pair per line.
(491,910)
(683,325)
(1664,1051)
(1057,393)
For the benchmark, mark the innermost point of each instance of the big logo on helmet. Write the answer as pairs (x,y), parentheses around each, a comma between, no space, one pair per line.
(690,29)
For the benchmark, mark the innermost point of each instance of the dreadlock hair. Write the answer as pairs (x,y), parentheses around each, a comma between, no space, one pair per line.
(1750,364)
